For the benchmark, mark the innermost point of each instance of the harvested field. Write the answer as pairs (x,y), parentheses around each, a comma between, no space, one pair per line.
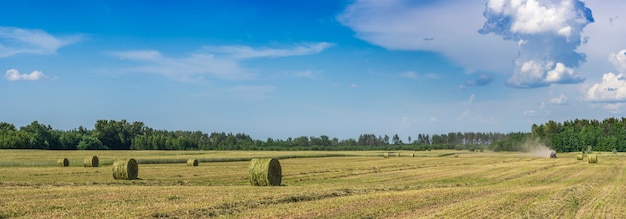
(362,185)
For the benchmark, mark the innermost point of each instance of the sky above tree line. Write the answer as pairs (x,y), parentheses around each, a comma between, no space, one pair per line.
(342,68)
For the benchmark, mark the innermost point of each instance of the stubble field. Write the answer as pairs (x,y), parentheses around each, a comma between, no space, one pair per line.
(432,184)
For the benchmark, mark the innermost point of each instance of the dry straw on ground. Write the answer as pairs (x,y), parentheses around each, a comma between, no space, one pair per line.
(265,172)
(192,162)
(91,161)
(592,158)
(125,169)
(63,162)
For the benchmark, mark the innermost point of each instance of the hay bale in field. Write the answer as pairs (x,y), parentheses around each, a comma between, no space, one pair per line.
(91,161)
(192,162)
(63,162)
(579,156)
(125,169)
(592,158)
(456,155)
(412,155)
(386,155)
(398,154)
(265,172)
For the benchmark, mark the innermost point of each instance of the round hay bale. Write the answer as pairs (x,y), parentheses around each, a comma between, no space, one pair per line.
(125,169)
(412,155)
(456,155)
(398,154)
(592,158)
(91,161)
(265,172)
(192,162)
(579,156)
(386,155)
(63,162)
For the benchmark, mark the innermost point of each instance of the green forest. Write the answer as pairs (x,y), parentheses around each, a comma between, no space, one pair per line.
(568,136)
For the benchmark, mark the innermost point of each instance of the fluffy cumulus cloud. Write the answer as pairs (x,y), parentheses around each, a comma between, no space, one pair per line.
(612,89)
(223,62)
(547,33)
(15,75)
(18,40)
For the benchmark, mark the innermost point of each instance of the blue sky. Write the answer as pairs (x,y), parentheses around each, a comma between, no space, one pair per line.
(291,68)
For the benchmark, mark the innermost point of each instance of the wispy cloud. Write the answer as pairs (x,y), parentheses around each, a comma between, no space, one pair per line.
(481,80)
(246,52)
(185,68)
(409,74)
(432,26)
(250,92)
(18,40)
(310,74)
(560,100)
(418,76)
(14,75)
(223,62)
(470,100)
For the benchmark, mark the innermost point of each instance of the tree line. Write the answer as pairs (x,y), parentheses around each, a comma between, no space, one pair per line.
(124,135)
(580,134)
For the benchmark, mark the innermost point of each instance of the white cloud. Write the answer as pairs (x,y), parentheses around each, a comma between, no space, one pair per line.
(548,34)
(18,40)
(537,73)
(14,75)
(611,89)
(619,60)
(407,25)
(226,64)
(353,86)
(560,100)
(433,119)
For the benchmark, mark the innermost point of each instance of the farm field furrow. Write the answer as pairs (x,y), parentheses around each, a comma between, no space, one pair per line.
(315,185)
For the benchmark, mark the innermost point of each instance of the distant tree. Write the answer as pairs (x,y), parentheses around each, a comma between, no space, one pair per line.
(396,139)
